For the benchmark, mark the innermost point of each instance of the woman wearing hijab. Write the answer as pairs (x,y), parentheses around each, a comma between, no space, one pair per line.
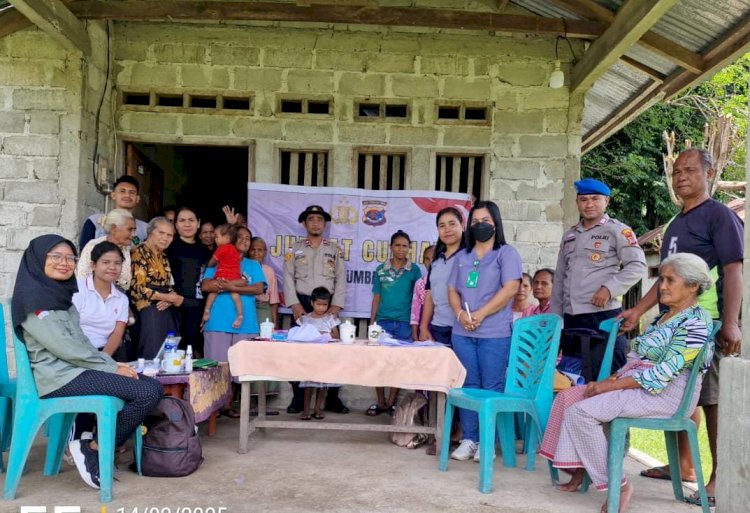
(63,360)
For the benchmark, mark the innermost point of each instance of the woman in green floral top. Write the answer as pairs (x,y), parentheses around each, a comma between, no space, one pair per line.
(152,289)
(650,385)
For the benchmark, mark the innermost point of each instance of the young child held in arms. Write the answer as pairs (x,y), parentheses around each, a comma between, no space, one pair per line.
(417,302)
(324,322)
(227,261)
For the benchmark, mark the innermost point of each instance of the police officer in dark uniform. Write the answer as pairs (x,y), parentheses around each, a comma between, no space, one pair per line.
(599,260)
(308,264)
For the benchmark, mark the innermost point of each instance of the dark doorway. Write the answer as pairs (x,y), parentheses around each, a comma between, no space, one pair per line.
(203,177)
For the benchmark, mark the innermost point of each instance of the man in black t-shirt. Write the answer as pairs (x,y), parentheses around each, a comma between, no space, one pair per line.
(712,231)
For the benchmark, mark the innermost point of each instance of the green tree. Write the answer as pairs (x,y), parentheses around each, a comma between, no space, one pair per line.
(630,161)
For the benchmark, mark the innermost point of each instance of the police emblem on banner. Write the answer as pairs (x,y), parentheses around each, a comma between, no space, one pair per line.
(344,213)
(373,212)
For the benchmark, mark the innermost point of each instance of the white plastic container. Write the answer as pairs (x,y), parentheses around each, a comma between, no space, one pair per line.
(348,332)
(266,330)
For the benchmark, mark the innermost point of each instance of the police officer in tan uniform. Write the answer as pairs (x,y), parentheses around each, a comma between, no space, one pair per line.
(599,260)
(310,263)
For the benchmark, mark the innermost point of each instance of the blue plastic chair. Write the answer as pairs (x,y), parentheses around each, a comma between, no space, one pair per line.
(31,412)
(680,421)
(7,394)
(528,390)
(611,327)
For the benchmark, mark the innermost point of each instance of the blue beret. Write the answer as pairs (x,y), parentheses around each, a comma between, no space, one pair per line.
(591,186)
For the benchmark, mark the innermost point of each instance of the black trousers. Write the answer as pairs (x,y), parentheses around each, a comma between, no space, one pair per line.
(333,402)
(591,321)
(140,395)
(191,315)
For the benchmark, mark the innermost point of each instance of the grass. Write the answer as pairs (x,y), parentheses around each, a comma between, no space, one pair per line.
(652,443)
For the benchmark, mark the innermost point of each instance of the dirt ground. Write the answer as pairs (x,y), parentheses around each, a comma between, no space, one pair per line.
(290,471)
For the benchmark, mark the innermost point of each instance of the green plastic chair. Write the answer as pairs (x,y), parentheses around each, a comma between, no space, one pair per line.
(680,421)
(528,390)
(611,327)
(31,412)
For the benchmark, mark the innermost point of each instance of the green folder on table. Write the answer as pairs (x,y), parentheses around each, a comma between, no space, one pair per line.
(204,363)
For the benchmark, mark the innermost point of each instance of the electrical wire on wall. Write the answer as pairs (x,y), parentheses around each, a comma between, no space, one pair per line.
(102,190)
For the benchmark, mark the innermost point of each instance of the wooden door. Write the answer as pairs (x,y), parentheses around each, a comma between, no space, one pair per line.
(151,180)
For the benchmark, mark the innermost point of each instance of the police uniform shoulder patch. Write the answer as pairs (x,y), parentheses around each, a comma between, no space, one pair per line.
(630,236)
(288,256)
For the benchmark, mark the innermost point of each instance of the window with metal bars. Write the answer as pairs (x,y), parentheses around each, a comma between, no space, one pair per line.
(304,167)
(381,171)
(460,173)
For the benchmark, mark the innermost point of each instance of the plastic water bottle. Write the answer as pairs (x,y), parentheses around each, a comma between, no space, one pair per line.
(170,344)
(189,359)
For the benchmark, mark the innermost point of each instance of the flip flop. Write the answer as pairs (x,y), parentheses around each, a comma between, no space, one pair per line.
(303,416)
(661,473)
(375,410)
(318,416)
(695,499)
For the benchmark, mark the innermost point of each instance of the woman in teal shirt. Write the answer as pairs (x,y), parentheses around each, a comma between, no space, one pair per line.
(392,291)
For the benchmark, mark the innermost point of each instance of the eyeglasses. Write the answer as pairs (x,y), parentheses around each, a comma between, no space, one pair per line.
(59,257)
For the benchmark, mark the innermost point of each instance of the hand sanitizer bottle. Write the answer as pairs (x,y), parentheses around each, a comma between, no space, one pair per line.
(189,359)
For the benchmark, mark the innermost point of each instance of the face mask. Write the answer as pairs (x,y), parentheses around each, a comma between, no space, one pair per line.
(482,231)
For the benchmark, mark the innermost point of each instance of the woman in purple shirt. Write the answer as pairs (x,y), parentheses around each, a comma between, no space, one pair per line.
(481,288)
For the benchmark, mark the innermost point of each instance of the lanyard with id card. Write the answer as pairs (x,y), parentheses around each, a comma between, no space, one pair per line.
(473,278)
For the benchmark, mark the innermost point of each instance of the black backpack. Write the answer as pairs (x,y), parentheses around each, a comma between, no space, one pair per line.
(171,446)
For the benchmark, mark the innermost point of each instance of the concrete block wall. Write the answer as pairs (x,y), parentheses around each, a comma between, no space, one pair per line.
(40,88)
(532,141)
(46,130)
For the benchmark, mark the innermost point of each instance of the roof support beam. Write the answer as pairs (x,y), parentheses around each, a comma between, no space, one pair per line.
(650,72)
(643,99)
(237,10)
(57,22)
(633,20)
(723,51)
(718,55)
(11,21)
(652,41)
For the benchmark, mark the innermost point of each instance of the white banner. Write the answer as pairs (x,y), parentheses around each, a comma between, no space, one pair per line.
(362,224)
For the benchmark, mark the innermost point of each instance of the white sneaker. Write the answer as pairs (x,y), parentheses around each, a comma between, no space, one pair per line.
(477,458)
(465,451)
(68,457)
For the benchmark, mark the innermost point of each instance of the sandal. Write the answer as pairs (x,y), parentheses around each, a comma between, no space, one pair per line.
(696,499)
(375,410)
(318,416)
(304,416)
(661,473)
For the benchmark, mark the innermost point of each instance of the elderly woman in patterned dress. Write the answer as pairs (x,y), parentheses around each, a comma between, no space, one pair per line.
(152,289)
(651,384)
